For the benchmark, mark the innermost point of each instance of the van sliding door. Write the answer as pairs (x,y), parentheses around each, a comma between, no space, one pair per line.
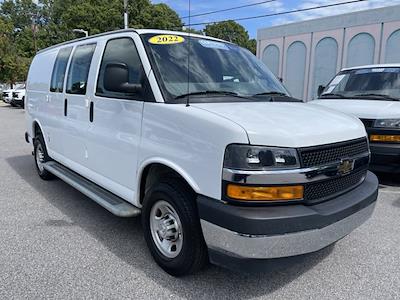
(75,107)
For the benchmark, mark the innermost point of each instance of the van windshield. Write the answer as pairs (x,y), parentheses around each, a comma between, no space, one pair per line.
(371,83)
(216,70)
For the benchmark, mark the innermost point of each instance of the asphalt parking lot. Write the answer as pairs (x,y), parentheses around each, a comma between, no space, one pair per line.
(56,243)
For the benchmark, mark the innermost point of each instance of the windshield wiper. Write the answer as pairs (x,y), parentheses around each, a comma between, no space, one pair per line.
(223,93)
(381,96)
(273,93)
(332,95)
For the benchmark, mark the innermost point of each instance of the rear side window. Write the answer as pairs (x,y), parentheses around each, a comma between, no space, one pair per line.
(79,69)
(57,78)
(121,51)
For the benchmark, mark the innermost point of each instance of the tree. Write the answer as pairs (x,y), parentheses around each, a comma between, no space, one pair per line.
(13,67)
(26,27)
(252,46)
(192,30)
(159,16)
(232,32)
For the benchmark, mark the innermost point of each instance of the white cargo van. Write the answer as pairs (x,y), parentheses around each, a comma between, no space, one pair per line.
(221,163)
(371,93)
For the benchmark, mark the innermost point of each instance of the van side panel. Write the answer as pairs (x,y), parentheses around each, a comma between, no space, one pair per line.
(189,140)
(37,89)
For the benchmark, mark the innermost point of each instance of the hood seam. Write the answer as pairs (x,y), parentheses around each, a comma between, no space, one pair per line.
(226,118)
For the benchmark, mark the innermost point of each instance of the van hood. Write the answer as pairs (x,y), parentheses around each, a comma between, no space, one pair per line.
(364,109)
(288,124)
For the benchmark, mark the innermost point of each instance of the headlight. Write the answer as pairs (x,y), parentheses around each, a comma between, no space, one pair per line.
(247,157)
(387,123)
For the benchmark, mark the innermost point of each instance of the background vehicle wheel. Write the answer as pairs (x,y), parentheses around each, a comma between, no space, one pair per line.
(41,157)
(172,227)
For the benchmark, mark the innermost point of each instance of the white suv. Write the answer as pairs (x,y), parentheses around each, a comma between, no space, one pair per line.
(221,163)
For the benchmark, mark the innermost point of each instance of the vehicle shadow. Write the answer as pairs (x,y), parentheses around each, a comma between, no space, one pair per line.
(388,179)
(124,238)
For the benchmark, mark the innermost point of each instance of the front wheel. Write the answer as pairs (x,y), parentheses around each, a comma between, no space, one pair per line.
(41,157)
(172,228)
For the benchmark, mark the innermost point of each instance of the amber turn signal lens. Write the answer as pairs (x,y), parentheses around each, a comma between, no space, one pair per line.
(274,193)
(385,138)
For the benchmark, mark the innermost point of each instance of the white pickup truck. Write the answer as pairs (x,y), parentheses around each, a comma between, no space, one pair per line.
(207,145)
(371,93)
(18,97)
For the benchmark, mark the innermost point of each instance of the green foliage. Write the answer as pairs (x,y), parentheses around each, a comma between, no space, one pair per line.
(160,16)
(26,27)
(232,32)
(13,66)
(192,30)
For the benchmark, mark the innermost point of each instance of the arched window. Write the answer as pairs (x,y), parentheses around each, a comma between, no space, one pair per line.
(325,63)
(271,58)
(296,68)
(392,54)
(361,50)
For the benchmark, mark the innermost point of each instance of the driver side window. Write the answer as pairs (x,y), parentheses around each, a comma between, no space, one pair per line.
(121,51)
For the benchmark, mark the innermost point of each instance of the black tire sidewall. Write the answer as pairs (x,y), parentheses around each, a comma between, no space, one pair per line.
(192,236)
(39,140)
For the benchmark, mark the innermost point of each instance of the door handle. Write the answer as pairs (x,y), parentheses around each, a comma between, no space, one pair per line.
(91,112)
(65,107)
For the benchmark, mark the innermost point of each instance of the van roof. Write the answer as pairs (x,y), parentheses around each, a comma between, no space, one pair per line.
(138,31)
(373,66)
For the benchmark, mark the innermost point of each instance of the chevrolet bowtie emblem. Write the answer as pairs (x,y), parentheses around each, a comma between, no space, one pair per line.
(345,166)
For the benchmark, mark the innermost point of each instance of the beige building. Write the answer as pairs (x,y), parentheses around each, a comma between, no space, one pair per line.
(309,53)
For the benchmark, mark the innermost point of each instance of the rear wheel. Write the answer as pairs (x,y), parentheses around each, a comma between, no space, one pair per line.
(172,227)
(41,157)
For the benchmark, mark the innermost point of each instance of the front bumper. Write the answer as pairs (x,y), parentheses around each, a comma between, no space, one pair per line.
(385,157)
(17,101)
(287,230)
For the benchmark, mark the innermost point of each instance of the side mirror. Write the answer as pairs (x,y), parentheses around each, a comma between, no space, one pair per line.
(321,88)
(116,79)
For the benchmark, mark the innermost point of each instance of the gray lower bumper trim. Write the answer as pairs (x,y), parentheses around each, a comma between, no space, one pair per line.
(259,246)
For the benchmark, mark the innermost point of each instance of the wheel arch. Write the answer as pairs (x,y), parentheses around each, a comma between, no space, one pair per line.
(153,169)
(37,128)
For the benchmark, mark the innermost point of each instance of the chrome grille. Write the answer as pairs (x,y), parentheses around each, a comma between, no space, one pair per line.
(331,153)
(322,190)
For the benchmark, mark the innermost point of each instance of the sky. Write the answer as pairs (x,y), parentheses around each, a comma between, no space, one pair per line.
(201,6)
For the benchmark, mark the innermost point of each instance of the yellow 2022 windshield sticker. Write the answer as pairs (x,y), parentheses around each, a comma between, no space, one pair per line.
(166,39)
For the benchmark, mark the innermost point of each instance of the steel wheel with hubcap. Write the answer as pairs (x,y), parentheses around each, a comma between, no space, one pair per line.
(40,160)
(166,229)
(172,228)
(41,157)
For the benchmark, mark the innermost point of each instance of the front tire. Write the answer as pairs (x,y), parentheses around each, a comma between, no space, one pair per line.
(41,157)
(172,227)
